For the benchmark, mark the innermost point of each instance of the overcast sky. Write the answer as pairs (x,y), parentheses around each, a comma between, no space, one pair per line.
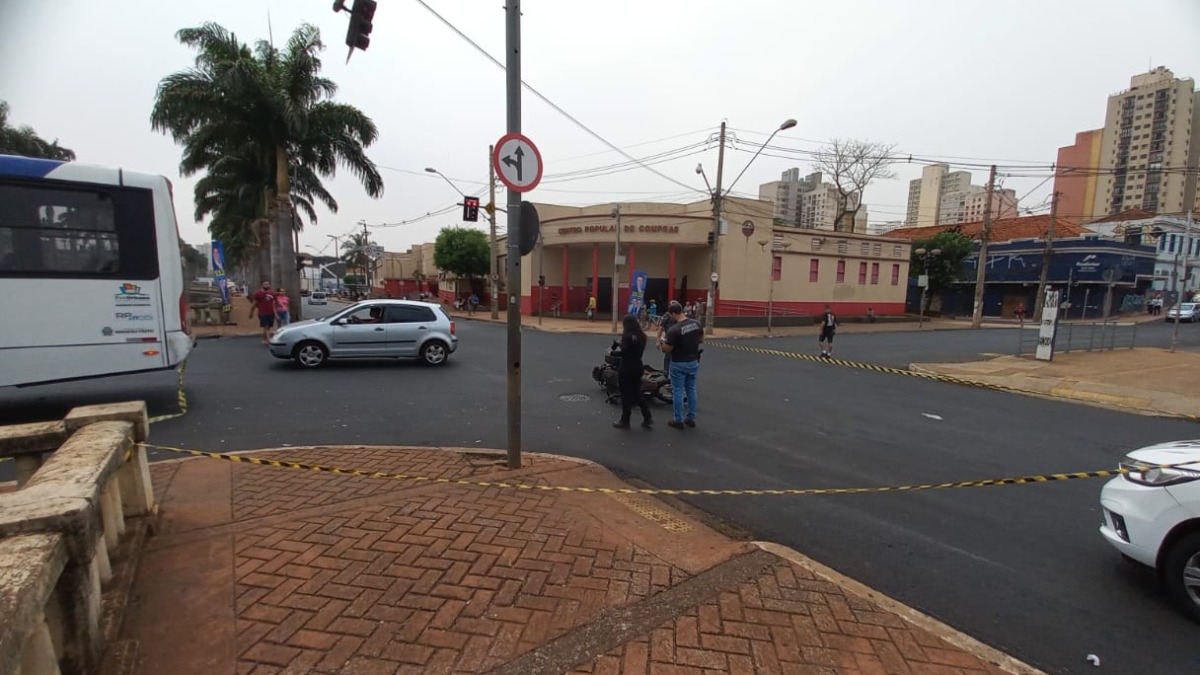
(1006,80)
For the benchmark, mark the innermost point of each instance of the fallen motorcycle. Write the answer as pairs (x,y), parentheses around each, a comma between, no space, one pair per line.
(655,383)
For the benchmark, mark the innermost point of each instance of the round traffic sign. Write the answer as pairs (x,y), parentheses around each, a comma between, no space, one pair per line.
(748,228)
(518,162)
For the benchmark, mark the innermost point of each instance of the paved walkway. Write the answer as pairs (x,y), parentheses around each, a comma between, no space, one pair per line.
(1150,381)
(260,570)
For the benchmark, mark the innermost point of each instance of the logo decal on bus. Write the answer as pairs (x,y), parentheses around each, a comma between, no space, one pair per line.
(131,295)
(130,316)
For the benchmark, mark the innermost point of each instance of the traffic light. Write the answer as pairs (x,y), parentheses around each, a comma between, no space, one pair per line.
(471,209)
(361,14)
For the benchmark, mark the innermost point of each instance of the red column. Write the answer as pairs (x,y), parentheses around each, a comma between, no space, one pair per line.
(632,251)
(595,289)
(670,274)
(566,269)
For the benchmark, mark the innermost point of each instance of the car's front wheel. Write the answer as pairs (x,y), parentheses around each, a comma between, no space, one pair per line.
(1181,571)
(310,354)
(435,353)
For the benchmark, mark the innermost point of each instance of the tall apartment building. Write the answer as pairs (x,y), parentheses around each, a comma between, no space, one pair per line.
(1151,132)
(808,202)
(785,194)
(944,197)
(1074,182)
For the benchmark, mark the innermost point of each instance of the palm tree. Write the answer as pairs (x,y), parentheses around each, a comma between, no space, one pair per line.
(260,124)
(354,254)
(25,141)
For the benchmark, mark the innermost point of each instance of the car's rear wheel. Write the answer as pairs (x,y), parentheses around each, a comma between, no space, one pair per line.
(310,354)
(435,353)
(1181,571)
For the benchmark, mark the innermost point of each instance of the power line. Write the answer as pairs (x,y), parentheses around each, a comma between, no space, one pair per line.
(550,103)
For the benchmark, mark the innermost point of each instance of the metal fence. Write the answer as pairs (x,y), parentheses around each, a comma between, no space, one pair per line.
(1081,336)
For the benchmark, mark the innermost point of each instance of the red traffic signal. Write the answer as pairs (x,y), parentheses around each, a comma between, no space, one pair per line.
(471,209)
(362,12)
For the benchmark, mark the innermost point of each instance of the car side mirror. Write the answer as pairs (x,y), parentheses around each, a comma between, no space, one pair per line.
(339,322)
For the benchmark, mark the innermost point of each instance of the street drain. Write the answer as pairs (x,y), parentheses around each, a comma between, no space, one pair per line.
(574,398)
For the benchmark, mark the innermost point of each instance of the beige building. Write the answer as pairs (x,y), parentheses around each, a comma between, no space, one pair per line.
(794,271)
(968,206)
(925,193)
(1151,131)
(808,202)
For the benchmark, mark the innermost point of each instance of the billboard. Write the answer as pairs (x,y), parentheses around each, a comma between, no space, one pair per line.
(218,264)
(637,292)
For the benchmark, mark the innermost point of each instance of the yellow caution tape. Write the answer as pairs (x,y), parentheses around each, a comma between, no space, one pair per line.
(319,468)
(181,396)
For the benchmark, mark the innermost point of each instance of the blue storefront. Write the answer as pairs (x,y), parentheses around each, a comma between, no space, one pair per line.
(1085,267)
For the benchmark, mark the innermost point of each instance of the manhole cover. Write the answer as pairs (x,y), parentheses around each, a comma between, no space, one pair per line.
(574,398)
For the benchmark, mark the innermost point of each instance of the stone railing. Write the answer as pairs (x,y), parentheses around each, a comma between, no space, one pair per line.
(79,480)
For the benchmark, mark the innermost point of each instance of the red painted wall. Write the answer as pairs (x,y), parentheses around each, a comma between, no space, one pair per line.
(730,307)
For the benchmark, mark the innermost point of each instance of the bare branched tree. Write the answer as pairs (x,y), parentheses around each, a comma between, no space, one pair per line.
(852,165)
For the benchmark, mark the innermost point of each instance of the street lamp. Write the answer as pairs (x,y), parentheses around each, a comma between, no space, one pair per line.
(925,256)
(784,245)
(430,169)
(710,309)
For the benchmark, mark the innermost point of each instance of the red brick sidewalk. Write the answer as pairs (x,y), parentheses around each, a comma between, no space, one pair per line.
(258,570)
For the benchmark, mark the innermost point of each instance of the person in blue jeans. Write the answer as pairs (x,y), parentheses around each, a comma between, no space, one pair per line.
(682,341)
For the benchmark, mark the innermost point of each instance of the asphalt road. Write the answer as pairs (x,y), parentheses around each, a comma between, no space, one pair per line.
(1022,568)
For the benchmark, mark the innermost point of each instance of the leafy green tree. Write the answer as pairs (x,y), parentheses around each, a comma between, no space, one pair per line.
(462,251)
(261,124)
(944,268)
(25,141)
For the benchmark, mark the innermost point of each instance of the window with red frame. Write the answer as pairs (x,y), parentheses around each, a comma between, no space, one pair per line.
(841,273)
(896,275)
(862,272)
(814,270)
(776,267)
(874,273)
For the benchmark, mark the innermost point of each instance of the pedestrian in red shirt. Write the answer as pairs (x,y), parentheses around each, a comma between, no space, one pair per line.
(263,301)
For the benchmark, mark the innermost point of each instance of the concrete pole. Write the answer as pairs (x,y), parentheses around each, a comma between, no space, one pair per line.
(512,43)
(1040,301)
(710,308)
(1182,253)
(981,265)
(493,254)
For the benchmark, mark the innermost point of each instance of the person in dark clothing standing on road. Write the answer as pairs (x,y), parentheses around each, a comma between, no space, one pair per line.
(629,373)
(683,344)
(668,320)
(828,328)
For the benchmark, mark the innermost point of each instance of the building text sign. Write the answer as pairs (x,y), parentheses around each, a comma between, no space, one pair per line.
(1048,326)
(630,229)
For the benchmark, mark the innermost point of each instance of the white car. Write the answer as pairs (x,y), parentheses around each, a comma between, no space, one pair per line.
(317,298)
(1152,516)
(1186,311)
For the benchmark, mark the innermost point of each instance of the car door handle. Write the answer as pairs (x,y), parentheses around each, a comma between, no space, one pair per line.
(422,327)
(378,329)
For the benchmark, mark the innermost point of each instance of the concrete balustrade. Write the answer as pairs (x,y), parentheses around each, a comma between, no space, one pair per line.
(79,479)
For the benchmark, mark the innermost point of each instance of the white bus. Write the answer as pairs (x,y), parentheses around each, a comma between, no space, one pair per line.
(91,279)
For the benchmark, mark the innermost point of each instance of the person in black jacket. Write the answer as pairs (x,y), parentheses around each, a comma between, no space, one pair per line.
(629,372)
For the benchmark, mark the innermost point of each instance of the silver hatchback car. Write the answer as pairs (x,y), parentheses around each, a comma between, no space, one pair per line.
(370,329)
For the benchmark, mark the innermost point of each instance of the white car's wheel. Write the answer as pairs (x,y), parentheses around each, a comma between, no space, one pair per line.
(1181,572)
(310,354)
(435,353)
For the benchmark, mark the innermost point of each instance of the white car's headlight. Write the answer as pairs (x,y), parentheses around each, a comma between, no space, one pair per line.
(1144,473)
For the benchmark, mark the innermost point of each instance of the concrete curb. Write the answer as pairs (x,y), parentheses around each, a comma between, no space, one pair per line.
(415,448)
(951,635)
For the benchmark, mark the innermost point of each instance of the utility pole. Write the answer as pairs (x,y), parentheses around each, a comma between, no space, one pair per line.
(710,308)
(616,280)
(981,264)
(492,224)
(1040,300)
(512,69)
(366,241)
(1181,253)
